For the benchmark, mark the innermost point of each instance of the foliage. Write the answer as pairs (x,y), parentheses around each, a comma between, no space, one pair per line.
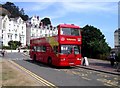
(93,42)
(28,47)
(6,47)
(46,21)
(15,11)
(14,44)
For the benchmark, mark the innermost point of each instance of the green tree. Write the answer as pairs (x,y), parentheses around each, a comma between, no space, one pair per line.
(15,11)
(22,11)
(46,21)
(93,42)
(14,44)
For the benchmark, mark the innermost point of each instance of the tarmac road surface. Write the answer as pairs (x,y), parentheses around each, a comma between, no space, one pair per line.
(70,76)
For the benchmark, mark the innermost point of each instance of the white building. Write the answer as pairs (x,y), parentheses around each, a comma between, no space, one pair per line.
(1,41)
(117,38)
(32,30)
(13,29)
(35,30)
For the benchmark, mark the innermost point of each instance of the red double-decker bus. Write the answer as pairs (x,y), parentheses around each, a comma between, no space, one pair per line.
(63,49)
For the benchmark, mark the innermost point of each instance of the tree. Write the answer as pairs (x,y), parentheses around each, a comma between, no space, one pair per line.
(22,11)
(10,43)
(46,21)
(14,44)
(93,42)
(24,17)
(14,11)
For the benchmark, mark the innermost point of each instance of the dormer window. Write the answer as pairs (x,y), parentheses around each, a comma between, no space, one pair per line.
(4,24)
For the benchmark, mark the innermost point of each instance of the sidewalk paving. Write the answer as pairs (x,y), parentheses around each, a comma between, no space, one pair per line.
(101,65)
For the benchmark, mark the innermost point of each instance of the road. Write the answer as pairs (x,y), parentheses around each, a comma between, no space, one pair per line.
(70,76)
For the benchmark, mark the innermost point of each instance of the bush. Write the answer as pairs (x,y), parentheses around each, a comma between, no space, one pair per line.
(9,48)
(14,44)
(6,47)
(103,56)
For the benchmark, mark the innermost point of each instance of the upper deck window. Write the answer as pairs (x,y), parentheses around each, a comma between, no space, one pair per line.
(70,31)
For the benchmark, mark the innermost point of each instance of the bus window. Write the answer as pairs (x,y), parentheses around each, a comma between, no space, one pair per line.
(70,31)
(34,48)
(75,32)
(44,48)
(38,49)
(67,49)
(76,50)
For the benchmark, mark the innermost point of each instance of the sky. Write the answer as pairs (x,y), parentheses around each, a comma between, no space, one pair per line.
(102,14)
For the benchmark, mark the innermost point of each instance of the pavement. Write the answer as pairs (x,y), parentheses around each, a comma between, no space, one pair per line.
(98,65)
(101,66)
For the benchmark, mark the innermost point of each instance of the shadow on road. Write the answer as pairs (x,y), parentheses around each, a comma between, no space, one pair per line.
(48,66)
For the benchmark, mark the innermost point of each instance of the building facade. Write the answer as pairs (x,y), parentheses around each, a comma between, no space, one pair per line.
(1,41)
(117,38)
(35,29)
(13,29)
(32,28)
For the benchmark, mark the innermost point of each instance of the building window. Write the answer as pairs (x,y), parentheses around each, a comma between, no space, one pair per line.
(22,27)
(8,36)
(16,30)
(15,36)
(2,36)
(4,24)
(11,37)
(19,21)
(20,38)
(32,35)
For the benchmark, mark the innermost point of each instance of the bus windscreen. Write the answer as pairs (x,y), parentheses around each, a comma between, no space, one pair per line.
(70,31)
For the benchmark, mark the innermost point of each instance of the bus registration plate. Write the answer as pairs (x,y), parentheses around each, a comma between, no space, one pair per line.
(71,63)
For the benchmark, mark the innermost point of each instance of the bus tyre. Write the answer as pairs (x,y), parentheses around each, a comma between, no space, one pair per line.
(34,58)
(49,61)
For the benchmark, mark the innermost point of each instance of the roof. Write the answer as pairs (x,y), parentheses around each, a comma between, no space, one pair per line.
(118,30)
(14,19)
(68,25)
(4,11)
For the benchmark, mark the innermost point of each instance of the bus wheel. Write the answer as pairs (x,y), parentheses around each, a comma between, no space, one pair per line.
(34,58)
(49,61)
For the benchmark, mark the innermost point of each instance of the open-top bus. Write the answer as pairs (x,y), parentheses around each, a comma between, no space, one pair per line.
(62,49)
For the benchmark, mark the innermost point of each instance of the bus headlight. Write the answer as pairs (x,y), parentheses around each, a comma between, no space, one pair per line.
(79,39)
(78,59)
